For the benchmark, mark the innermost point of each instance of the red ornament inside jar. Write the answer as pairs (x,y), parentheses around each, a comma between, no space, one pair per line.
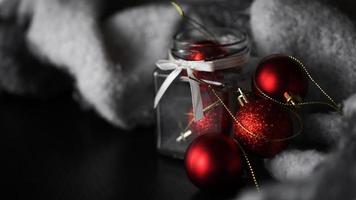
(193,45)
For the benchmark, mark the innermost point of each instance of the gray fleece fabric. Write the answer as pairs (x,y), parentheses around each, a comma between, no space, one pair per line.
(324,38)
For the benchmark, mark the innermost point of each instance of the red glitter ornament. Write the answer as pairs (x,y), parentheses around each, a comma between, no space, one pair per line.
(213,161)
(267,121)
(277,74)
(216,118)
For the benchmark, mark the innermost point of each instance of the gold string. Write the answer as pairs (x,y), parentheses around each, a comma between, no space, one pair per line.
(312,79)
(261,136)
(232,115)
(243,151)
(248,131)
(213,105)
(206,109)
(300,129)
(332,104)
(249,165)
(200,27)
(295,114)
(285,105)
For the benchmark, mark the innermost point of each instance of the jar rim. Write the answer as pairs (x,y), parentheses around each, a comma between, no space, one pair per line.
(243,37)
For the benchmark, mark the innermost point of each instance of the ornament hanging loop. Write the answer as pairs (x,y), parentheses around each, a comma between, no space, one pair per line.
(242,97)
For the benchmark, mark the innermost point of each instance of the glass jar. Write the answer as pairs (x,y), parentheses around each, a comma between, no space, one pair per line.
(176,127)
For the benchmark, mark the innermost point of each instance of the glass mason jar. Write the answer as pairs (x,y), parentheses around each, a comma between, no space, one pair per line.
(176,127)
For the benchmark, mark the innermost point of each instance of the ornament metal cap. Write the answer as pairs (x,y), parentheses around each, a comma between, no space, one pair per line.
(291,98)
(184,135)
(242,97)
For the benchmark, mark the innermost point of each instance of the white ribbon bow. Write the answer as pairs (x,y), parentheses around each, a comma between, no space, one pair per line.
(177,65)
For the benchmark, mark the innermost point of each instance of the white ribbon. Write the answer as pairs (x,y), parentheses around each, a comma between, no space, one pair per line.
(177,65)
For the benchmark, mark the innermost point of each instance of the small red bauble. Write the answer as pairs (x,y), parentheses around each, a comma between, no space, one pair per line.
(206,50)
(278,74)
(216,118)
(266,120)
(213,161)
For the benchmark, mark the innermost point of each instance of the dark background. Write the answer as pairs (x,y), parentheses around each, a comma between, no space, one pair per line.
(55,150)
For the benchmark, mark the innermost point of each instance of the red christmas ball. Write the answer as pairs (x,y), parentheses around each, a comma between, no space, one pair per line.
(206,50)
(278,74)
(213,161)
(216,118)
(267,121)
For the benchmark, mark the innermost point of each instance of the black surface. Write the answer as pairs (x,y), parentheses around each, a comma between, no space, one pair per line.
(54,150)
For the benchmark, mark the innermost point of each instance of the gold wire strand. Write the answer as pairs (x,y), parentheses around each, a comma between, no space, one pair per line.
(316,83)
(206,109)
(268,97)
(319,103)
(233,117)
(284,105)
(243,151)
(261,136)
(200,27)
(335,107)
(332,104)
(252,173)
(211,106)
(251,133)
(300,129)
